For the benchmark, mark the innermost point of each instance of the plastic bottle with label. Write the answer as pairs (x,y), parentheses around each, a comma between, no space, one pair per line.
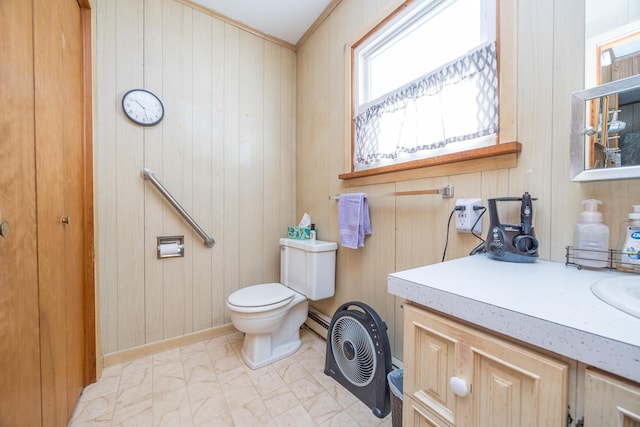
(629,244)
(591,237)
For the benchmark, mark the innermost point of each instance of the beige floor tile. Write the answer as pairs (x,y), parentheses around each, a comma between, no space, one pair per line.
(136,373)
(268,382)
(280,401)
(238,396)
(219,348)
(103,387)
(170,401)
(290,370)
(136,414)
(234,378)
(196,358)
(322,407)
(212,411)
(167,377)
(306,388)
(202,390)
(363,415)
(112,371)
(341,419)
(132,395)
(98,409)
(253,413)
(200,373)
(208,384)
(294,417)
(180,417)
(227,364)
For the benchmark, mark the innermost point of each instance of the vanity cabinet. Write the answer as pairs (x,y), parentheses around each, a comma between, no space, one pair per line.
(456,375)
(610,401)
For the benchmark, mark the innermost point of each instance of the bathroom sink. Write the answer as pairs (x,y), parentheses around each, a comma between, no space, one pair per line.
(622,293)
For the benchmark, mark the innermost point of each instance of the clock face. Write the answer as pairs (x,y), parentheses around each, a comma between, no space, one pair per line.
(142,107)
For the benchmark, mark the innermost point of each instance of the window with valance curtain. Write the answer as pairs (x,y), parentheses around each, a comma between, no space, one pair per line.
(452,107)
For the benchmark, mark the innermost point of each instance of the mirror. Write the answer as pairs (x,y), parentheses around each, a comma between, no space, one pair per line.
(605,131)
(605,119)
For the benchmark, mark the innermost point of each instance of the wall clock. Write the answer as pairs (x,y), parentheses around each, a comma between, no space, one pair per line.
(142,107)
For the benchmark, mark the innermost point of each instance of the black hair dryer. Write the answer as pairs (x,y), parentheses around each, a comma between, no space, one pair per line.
(509,242)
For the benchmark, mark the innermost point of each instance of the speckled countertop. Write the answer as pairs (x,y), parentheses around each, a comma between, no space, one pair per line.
(546,304)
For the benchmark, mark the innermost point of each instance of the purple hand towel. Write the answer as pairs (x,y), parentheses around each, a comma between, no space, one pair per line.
(353,220)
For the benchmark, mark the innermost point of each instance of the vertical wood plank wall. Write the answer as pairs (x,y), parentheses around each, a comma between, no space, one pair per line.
(225,150)
(253,137)
(411,231)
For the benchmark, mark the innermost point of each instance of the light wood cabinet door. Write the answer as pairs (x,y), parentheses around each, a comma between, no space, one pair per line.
(416,415)
(610,401)
(430,359)
(505,384)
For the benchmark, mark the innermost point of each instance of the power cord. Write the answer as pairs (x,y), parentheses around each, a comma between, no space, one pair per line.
(481,248)
(446,242)
(478,249)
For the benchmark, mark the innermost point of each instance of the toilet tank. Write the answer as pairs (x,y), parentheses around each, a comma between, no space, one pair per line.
(308,267)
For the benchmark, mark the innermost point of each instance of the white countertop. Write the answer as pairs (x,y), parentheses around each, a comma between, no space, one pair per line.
(546,304)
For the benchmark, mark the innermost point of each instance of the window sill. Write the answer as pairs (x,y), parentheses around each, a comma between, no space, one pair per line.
(499,156)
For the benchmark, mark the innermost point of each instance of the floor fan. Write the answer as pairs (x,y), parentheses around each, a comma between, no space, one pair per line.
(358,355)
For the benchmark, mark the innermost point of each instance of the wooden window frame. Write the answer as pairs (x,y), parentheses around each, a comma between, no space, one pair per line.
(498,156)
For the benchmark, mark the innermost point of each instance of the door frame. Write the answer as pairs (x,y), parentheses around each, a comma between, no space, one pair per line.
(90,368)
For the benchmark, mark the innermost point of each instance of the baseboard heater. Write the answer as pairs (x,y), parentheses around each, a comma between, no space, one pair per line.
(318,322)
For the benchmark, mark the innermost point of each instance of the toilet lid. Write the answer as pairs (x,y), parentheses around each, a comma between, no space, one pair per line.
(261,295)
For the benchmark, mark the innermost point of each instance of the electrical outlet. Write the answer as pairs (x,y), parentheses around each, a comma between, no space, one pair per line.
(467,217)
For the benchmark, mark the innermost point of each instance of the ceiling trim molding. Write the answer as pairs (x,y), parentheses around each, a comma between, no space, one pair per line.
(325,14)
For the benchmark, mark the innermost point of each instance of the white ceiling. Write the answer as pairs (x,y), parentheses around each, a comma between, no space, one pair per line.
(287,20)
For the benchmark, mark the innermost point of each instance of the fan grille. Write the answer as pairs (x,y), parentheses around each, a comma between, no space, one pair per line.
(353,350)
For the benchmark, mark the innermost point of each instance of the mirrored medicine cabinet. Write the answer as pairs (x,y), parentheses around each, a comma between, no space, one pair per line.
(605,117)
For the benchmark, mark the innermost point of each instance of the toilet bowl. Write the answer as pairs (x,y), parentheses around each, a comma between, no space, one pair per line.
(270,314)
(272,329)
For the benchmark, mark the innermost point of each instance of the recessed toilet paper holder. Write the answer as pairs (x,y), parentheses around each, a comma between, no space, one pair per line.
(170,246)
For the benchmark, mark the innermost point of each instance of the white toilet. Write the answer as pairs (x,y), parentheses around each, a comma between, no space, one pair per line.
(271,314)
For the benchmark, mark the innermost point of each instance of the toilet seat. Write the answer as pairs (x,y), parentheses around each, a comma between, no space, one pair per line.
(256,298)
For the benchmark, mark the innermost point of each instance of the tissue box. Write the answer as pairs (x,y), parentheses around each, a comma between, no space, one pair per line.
(302,233)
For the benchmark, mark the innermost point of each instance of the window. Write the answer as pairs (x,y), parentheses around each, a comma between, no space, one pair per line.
(425,83)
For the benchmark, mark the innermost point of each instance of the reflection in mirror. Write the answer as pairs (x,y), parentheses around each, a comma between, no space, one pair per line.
(613,130)
(605,131)
(618,58)
(612,40)
(605,119)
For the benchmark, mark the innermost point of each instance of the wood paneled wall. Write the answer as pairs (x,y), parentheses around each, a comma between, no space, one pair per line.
(411,231)
(253,137)
(225,150)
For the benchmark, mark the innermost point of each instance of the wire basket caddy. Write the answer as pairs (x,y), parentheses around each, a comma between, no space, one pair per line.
(614,258)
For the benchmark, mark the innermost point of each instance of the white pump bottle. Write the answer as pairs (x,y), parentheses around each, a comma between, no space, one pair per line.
(591,237)
(629,244)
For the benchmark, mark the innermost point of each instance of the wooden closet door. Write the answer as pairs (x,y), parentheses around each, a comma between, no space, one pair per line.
(19,329)
(59,183)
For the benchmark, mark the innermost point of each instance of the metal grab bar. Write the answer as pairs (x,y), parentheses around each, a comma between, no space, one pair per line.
(446,191)
(148,174)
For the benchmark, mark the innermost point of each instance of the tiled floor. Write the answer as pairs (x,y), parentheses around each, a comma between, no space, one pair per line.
(207,384)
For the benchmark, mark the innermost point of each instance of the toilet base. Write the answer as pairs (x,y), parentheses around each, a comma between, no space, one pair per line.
(259,350)
(256,361)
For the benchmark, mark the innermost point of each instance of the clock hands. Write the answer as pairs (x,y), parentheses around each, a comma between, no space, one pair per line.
(143,108)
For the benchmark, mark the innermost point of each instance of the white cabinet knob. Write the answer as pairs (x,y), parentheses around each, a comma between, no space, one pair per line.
(459,386)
